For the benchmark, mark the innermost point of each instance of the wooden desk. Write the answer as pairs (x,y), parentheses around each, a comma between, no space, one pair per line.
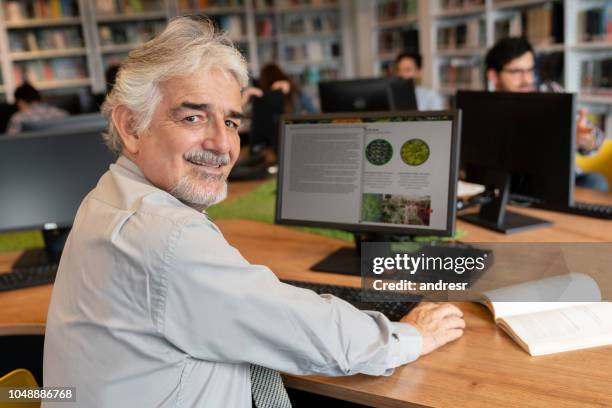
(482,369)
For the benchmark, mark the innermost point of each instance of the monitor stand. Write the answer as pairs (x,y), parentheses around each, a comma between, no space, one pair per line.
(347,261)
(49,255)
(496,217)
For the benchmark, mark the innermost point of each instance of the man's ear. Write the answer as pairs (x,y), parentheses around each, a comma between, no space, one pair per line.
(123,119)
(492,79)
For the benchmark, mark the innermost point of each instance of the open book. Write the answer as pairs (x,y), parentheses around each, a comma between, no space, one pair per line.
(553,325)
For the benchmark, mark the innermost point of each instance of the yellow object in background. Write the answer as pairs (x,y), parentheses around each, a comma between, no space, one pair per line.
(16,379)
(601,162)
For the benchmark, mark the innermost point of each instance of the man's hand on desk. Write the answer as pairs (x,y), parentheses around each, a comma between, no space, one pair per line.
(438,323)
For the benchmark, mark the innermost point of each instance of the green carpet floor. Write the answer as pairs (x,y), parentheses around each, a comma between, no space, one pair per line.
(258,205)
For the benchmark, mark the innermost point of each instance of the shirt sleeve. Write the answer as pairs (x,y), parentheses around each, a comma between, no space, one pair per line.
(218,307)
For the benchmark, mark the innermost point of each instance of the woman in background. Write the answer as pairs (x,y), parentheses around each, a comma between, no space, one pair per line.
(272,78)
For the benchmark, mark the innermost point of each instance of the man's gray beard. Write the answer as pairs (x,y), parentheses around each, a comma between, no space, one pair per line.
(197,197)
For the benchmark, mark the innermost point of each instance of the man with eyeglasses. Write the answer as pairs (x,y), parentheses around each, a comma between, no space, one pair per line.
(510,67)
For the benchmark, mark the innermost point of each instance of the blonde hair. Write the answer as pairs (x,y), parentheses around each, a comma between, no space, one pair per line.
(186,45)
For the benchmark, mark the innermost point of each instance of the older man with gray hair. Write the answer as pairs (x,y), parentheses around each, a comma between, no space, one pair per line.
(151,306)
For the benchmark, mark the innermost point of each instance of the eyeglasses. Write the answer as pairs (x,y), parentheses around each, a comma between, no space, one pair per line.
(519,71)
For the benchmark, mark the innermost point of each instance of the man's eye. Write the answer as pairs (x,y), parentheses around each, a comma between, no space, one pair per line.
(231,124)
(194,119)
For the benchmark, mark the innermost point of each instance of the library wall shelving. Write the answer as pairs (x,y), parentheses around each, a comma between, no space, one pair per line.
(66,45)
(572,39)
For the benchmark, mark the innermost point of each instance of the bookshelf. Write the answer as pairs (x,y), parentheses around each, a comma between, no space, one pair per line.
(396,30)
(233,16)
(309,39)
(44,42)
(572,40)
(119,27)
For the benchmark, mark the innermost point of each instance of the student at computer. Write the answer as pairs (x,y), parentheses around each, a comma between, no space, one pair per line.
(151,305)
(510,67)
(408,66)
(31,109)
(272,78)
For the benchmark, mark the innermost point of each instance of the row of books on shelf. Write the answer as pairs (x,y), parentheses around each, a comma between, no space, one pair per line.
(461,74)
(234,25)
(396,9)
(49,70)
(265,26)
(15,10)
(596,77)
(203,4)
(541,25)
(308,24)
(459,4)
(288,4)
(466,35)
(267,52)
(128,6)
(45,39)
(405,39)
(596,24)
(311,51)
(129,33)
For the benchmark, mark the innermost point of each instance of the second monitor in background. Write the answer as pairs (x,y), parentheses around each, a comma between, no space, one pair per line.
(518,143)
(367,95)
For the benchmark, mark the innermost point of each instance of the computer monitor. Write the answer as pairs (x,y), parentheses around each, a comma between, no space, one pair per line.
(6,111)
(519,143)
(84,120)
(367,95)
(381,174)
(71,103)
(44,176)
(265,119)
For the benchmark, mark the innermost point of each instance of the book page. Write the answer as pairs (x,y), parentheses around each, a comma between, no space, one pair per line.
(570,328)
(551,293)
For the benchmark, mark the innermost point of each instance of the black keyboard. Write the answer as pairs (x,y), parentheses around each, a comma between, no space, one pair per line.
(591,210)
(394,310)
(28,276)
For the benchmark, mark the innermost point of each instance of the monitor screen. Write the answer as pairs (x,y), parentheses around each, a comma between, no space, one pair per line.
(382,172)
(526,136)
(367,95)
(44,176)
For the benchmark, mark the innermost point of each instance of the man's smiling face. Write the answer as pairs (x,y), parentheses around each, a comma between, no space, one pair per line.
(192,141)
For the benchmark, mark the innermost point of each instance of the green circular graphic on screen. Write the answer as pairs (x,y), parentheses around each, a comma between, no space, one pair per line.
(379,152)
(415,152)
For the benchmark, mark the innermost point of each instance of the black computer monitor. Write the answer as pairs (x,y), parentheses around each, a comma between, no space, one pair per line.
(518,143)
(370,173)
(44,176)
(71,103)
(84,120)
(265,120)
(367,95)
(6,111)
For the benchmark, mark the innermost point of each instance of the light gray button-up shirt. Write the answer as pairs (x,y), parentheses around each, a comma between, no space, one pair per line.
(153,308)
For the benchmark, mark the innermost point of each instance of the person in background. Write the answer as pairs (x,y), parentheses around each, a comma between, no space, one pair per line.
(30,109)
(510,67)
(272,78)
(408,66)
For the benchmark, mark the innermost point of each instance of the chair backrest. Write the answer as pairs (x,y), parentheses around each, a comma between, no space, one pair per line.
(601,162)
(19,378)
